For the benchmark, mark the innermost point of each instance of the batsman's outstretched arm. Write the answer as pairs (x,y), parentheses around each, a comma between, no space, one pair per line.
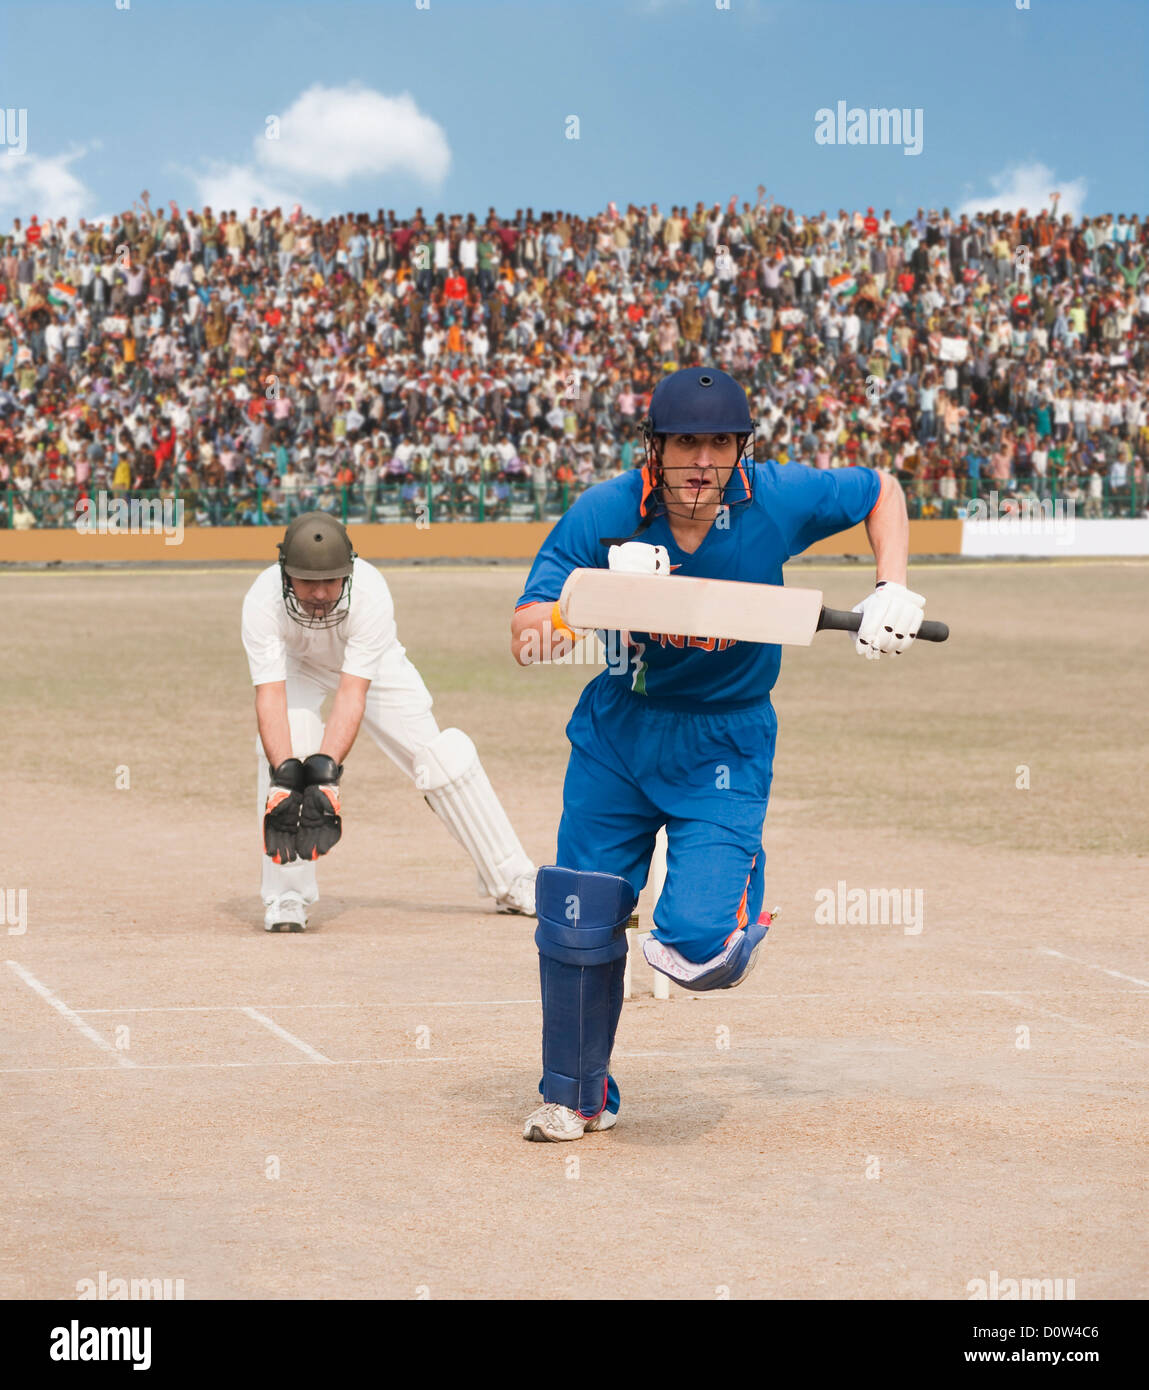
(538,633)
(892,615)
(888,531)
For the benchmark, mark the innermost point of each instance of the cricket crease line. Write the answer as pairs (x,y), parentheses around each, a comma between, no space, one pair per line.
(231,1066)
(270,1023)
(1077,1022)
(168,1009)
(489,1064)
(415,1004)
(70,1014)
(1117,975)
(388,1004)
(396,1004)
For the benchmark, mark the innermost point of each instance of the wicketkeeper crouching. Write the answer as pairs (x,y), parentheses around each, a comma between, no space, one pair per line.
(321,621)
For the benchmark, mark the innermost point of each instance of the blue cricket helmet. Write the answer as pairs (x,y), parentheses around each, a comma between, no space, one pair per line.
(696,400)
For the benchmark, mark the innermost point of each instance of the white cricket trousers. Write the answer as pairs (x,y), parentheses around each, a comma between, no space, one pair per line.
(398,717)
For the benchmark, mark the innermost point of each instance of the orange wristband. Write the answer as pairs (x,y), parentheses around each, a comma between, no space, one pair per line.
(559,625)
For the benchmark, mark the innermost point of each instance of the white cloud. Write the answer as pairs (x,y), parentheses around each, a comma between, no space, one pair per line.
(327,137)
(334,134)
(223,186)
(44,185)
(1029,186)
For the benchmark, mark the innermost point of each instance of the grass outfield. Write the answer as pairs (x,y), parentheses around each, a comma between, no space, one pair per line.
(401,1165)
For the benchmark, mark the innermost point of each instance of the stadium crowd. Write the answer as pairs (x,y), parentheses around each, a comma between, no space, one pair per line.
(467,368)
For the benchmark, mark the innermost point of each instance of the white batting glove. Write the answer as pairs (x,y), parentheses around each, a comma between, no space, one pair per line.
(636,557)
(891,616)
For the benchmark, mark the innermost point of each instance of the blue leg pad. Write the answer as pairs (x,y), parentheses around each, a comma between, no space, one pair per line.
(613,1099)
(581,938)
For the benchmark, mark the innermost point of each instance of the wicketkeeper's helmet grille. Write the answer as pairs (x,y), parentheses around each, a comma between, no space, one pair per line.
(317,546)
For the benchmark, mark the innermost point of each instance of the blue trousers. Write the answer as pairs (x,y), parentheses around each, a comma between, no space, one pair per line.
(635,767)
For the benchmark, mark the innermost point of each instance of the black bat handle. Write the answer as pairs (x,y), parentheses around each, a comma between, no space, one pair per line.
(838,620)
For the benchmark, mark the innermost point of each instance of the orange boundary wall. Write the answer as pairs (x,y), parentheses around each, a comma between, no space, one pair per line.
(487,540)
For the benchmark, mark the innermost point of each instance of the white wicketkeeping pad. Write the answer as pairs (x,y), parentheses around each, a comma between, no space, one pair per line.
(449,771)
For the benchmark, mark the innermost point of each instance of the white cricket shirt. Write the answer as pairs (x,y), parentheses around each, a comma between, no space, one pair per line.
(365,643)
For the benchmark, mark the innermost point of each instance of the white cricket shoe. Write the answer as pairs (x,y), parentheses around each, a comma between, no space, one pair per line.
(520,896)
(556,1123)
(287,913)
(603,1120)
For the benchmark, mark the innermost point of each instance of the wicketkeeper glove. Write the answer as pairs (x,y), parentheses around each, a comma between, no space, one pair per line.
(320,825)
(891,616)
(281,813)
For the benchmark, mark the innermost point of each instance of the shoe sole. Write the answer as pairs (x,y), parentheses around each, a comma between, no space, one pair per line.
(285,926)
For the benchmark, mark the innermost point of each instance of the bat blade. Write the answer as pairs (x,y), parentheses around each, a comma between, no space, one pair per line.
(675,605)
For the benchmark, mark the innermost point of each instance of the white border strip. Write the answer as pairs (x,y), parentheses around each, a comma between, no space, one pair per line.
(1061,536)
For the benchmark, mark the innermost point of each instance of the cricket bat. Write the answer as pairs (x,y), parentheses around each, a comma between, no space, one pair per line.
(684,607)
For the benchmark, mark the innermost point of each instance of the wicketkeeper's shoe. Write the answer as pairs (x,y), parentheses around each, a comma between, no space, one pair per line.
(520,897)
(556,1123)
(287,913)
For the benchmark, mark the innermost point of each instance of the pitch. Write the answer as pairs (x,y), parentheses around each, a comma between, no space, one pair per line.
(887,1109)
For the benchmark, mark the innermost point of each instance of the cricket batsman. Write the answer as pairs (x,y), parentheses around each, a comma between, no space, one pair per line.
(321,621)
(682,733)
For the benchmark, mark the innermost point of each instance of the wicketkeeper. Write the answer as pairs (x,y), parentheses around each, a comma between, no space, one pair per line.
(322,621)
(683,734)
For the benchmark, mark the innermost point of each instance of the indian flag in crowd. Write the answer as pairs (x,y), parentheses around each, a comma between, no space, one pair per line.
(62,294)
(843,284)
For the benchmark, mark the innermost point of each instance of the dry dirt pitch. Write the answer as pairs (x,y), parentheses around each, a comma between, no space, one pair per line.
(872,1130)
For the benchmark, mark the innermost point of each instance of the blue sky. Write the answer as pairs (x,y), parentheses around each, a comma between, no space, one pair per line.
(464,105)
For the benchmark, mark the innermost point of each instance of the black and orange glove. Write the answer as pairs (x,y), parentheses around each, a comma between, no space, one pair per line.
(281,814)
(319,824)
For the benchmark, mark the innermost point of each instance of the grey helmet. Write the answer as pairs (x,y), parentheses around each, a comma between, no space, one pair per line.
(316,546)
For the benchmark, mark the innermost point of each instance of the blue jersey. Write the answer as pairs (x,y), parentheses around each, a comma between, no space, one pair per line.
(791,508)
